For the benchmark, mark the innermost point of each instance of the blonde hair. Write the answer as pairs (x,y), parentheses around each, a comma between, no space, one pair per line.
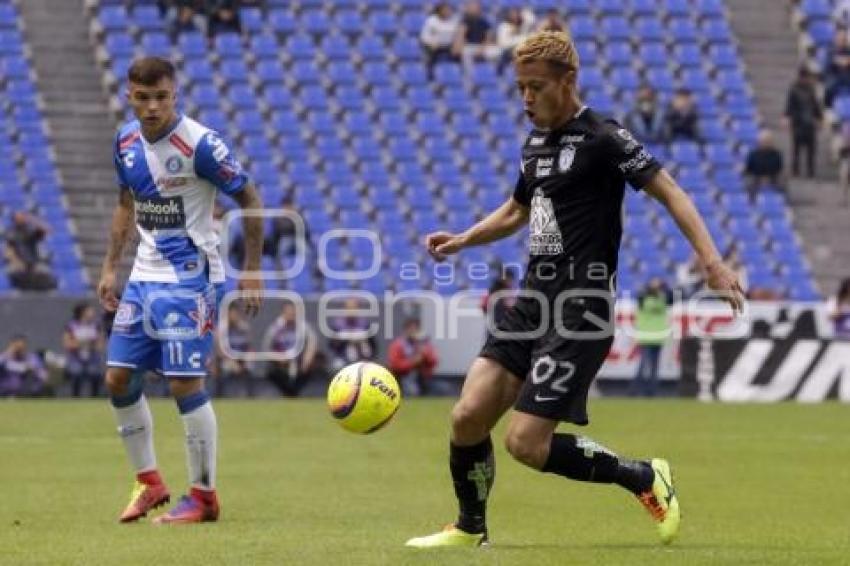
(554,47)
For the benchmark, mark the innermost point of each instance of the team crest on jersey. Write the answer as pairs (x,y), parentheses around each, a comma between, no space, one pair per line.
(123,317)
(204,317)
(566,157)
(173,164)
(545,237)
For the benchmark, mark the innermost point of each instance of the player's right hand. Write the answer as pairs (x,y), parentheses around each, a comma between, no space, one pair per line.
(723,279)
(106,291)
(442,244)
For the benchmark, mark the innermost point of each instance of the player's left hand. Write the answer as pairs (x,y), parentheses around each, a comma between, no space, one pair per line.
(252,294)
(723,279)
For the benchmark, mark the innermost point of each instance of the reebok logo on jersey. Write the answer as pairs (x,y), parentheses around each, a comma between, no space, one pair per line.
(167,213)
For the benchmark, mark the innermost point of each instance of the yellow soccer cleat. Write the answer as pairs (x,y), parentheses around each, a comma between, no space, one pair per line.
(661,501)
(449,536)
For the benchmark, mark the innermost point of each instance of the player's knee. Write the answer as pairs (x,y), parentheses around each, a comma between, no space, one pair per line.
(526,448)
(185,387)
(117,381)
(467,423)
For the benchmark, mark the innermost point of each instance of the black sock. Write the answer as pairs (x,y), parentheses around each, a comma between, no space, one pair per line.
(473,471)
(580,458)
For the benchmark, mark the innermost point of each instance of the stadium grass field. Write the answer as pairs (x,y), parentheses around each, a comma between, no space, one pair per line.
(758,485)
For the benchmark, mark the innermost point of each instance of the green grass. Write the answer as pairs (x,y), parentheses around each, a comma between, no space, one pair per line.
(758,485)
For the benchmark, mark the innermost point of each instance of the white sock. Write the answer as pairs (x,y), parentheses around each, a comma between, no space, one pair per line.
(201,432)
(135,426)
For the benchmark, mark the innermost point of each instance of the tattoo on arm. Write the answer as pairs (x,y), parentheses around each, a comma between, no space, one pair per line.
(122,222)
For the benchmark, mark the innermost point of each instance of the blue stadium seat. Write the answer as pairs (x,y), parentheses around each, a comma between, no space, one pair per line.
(264,46)
(709,8)
(251,19)
(270,71)
(315,22)
(313,98)
(286,123)
(234,71)
(199,70)
(147,18)
(583,28)
(336,48)
(650,29)
(242,97)
(724,56)
(119,45)
(305,73)
(205,96)
(588,52)
(383,23)
(683,30)
(407,48)
(192,45)
(676,8)
(282,22)
(228,45)
(375,73)
(112,18)
(615,28)
(342,73)
(654,55)
(349,22)
(619,54)
(717,31)
(300,46)
(277,96)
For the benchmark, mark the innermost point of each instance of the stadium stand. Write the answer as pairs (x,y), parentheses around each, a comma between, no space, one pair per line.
(330,102)
(29,179)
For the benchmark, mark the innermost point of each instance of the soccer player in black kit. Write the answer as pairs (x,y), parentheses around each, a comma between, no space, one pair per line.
(543,354)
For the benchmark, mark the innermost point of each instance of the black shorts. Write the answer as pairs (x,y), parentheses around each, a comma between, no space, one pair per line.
(557,367)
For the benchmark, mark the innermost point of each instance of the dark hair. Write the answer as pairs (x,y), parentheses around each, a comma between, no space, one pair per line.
(844,289)
(79,309)
(148,71)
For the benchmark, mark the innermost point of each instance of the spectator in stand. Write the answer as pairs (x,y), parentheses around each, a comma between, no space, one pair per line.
(836,70)
(646,120)
(764,165)
(504,284)
(223,17)
(83,342)
(22,373)
(28,270)
(514,28)
(839,311)
(185,16)
(475,39)
(804,114)
(350,341)
(234,335)
(284,236)
(841,13)
(553,22)
(412,359)
(652,329)
(682,120)
(289,335)
(438,36)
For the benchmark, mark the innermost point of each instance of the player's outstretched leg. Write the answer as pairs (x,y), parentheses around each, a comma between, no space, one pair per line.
(199,422)
(135,426)
(488,392)
(530,440)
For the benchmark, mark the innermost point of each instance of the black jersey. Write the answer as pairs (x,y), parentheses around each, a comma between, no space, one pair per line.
(573,179)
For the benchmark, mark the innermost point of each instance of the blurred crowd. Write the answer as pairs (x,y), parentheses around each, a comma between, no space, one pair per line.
(300,356)
(27,264)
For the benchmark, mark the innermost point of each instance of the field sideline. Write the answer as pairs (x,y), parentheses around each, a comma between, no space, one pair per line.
(758,485)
